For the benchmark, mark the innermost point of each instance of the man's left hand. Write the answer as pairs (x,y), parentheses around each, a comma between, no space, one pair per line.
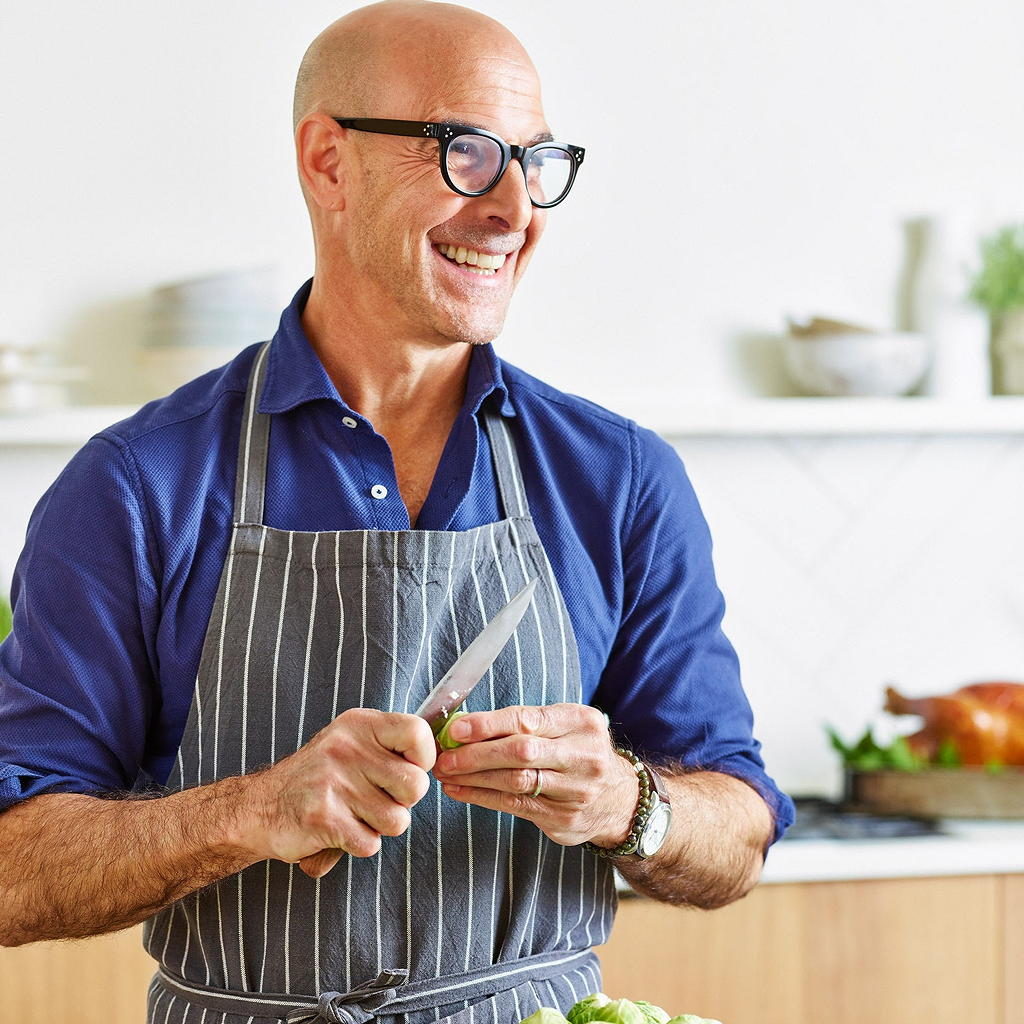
(587,791)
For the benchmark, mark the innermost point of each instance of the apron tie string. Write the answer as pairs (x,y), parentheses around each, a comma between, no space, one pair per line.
(388,994)
(354,1007)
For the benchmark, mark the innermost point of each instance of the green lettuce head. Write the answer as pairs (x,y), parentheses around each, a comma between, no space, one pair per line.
(692,1018)
(653,1014)
(545,1015)
(611,1011)
(584,1010)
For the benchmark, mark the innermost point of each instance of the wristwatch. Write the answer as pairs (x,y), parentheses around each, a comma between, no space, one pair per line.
(653,815)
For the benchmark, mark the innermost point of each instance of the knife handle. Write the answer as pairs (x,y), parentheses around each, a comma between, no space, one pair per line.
(316,865)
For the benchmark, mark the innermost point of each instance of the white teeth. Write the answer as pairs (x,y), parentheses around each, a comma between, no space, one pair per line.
(470,257)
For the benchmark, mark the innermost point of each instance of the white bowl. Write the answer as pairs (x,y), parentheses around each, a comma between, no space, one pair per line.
(855,363)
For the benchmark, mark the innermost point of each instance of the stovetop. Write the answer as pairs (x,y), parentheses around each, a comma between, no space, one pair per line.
(818,818)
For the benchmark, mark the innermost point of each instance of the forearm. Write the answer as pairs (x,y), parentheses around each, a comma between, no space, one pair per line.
(76,865)
(715,849)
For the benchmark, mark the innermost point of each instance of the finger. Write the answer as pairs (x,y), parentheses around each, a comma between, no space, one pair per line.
(352,836)
(316,865)
(408,735)
(511,803)
(404,782)
(519,781)
(549,720)
(508,752)
(382,814)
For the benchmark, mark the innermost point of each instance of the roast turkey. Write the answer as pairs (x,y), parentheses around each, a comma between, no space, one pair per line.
(984,721)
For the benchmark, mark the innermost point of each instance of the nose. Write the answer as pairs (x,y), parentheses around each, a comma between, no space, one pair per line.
(509,201)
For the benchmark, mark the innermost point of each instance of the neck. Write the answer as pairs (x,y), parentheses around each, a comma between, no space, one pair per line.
(398,383)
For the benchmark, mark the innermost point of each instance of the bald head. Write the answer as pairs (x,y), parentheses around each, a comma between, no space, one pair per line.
(354,65)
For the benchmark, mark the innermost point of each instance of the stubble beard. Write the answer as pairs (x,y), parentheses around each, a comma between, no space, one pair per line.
(418,295)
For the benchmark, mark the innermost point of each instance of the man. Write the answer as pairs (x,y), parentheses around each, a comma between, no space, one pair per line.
(233,600)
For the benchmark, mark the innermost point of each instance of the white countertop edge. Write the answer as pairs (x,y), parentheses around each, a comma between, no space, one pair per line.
(969,848)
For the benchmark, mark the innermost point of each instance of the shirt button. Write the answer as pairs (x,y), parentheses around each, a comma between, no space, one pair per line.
(379,491)
(349,422)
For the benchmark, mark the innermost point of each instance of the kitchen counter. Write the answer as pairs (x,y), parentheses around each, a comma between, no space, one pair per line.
(966,847)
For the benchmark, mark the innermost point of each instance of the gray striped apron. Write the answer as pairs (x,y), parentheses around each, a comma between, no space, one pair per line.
(470,916)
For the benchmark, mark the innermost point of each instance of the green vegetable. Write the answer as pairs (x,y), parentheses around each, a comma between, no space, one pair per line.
(948,756)
(5,617)
(445,742)
(999,284)
(545,1015)
(598,1007)
(653,1014)
(866,755)
(616,1011)
(579,1014)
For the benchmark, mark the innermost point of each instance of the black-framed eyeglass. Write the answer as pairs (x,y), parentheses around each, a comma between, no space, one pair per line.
(473,160)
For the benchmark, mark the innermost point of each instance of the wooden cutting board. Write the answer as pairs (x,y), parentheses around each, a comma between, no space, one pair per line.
(940,792)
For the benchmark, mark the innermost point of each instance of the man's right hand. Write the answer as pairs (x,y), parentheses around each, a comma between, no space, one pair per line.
(352,783)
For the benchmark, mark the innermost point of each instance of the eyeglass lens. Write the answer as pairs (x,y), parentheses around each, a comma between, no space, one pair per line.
(474,162)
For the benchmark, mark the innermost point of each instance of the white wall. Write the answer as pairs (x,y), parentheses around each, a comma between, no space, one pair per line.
(743,160)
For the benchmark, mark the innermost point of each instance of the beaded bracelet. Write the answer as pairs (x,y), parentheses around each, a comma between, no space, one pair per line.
(643,811)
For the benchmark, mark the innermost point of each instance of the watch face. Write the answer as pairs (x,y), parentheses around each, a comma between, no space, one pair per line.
(656,830)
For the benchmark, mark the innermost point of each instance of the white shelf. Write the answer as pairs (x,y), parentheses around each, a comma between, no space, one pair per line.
(674,419)
(826,417)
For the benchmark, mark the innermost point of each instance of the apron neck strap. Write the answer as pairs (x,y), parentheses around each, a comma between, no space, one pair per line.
(251,477)
(506,464)
(253,445)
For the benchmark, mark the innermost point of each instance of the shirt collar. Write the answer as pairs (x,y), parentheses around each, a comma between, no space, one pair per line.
(295,374)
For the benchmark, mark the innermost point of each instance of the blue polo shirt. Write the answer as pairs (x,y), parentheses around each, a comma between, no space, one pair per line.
(114,588)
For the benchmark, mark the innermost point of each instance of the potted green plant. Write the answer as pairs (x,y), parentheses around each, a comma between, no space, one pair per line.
(998,286)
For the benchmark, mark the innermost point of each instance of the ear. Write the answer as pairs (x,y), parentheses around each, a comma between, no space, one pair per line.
(319,152)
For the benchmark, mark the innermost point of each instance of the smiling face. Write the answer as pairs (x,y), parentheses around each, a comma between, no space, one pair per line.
(406,249)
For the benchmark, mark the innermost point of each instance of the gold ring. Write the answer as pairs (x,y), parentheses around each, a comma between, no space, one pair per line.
(536,791)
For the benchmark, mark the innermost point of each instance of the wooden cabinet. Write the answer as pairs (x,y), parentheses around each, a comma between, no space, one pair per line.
(909,951)
(912,951)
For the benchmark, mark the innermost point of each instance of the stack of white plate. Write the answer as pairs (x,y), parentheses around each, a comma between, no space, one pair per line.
(30,381)
(202,323)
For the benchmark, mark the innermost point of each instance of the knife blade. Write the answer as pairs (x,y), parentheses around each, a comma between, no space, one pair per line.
(471,666)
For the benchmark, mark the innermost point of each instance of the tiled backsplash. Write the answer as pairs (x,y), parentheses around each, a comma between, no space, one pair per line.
(851,563)
(846,563)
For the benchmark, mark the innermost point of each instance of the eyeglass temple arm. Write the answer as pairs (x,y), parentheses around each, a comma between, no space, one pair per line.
(384,126)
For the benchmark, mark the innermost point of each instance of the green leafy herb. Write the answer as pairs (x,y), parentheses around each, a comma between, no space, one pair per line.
(999,284)
(947,755)
(867,755)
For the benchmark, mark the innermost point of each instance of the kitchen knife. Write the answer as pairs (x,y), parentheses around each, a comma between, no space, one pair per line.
(475,660)
(457,684)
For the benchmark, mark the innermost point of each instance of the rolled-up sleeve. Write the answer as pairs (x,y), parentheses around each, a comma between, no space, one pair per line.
(77,671)
(672,683)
